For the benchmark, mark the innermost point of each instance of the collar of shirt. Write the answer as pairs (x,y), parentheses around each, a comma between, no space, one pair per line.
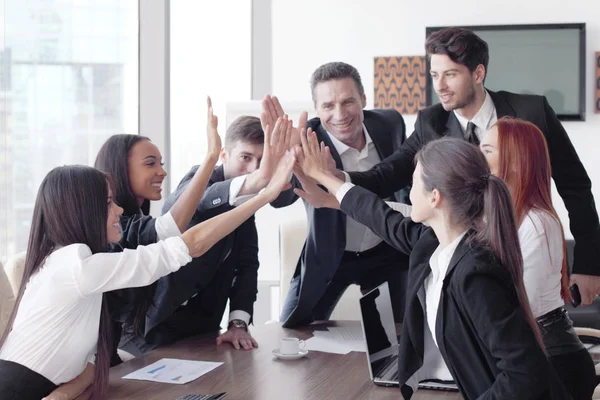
(483,120)
(440,259)
(342,148)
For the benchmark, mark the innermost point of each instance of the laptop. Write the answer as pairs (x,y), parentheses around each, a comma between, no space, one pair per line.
(379,330)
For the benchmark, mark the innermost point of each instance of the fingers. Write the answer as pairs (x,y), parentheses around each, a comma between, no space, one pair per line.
(279,132)
(301,193)
(208,102)
(277,106)
(313,142)
(330,160)
(254,342)
(304,141)
(302,120)
(287,139)
(268,132)
(269,106)
(265,120)
(236,344)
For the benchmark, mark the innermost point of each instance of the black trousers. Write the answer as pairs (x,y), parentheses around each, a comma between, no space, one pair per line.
(368,270)
(19,382)
(570,359)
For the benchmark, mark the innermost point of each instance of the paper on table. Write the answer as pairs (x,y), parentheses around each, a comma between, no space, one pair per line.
(348,333)
(326,345)
(337,340)
(352,337)
(171,370)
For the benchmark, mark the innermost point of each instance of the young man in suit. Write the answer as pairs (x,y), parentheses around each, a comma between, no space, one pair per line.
(192,300)
(339,251)
(459,61)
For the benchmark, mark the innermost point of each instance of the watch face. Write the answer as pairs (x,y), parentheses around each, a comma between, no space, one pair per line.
(238,323)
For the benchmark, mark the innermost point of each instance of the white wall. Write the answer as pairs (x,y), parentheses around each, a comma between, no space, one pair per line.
(312,32)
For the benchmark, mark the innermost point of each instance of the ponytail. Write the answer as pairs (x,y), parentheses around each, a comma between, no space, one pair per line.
(498,231)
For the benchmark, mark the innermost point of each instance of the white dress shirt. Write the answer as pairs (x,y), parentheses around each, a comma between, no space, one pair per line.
(166,226)
(434,366)
(485,118)
(358,236)
(541,242)
(55,331)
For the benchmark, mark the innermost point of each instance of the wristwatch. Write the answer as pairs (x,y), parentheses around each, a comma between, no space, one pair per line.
(238,323)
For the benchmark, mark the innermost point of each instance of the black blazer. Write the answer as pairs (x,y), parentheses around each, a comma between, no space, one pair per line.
(326,239)
(227,271)
(570,177)
(488,345)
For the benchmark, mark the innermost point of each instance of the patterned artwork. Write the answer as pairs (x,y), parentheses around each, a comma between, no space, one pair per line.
(400,83)
(597,84)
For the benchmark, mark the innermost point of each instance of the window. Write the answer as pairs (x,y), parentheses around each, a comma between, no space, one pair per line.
(211,54)
(69,80)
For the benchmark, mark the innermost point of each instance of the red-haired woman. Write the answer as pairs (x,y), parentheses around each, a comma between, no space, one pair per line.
(517,153)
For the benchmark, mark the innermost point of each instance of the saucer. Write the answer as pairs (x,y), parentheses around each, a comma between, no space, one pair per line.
(300,354)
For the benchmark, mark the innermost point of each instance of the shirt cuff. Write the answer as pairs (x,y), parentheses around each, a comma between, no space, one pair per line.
(234,190)
(347,177)
(178,250)
(166,227)
(339,195)
(239,314)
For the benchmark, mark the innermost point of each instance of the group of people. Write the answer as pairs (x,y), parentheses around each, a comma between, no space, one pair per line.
(477,271)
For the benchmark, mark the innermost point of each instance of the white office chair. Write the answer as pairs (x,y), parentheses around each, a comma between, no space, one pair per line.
(7,300)
(292,235)
(14,271)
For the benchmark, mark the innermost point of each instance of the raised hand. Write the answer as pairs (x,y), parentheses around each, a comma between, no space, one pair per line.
(271,110)
(311,192)
(281,178)
(315,158)
(277,141)
(214,140)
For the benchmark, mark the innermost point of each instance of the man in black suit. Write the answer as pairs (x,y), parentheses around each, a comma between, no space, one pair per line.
(339,251)
(192,300)
(459,60)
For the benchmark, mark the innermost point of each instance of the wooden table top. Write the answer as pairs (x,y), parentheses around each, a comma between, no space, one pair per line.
(257,374)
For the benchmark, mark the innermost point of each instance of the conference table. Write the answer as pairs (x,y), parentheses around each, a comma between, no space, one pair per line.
(258,375)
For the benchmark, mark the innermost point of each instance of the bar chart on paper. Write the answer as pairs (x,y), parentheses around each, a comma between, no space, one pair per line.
(172,370)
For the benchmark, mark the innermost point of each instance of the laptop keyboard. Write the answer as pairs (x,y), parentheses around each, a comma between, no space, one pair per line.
(381,368)
(201,396)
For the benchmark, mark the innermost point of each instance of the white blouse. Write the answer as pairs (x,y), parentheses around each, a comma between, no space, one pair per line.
(55,331)
(541,242)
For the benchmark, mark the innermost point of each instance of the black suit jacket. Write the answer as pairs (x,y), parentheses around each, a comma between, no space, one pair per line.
(228,271)
(569,175)
(483,335)
(326,238)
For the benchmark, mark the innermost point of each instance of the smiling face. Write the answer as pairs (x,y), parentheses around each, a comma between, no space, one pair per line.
(145,171)
(455,85)
(113,228)
(340,107)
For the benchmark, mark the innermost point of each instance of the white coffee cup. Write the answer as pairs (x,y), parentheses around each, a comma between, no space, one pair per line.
(291,345)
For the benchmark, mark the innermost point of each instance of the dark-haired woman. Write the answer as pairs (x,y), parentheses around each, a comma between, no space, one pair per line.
(135,166)
(60,326)
(467,316)
(517,153)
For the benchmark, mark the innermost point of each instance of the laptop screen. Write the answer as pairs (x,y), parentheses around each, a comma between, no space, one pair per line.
(378,323)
